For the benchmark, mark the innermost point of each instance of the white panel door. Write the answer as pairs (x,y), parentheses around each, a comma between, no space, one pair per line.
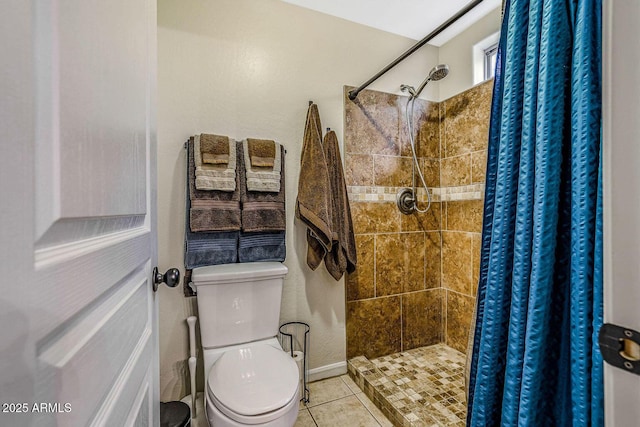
(78,239)
(621,113)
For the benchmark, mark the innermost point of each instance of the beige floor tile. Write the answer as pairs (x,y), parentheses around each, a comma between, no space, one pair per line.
(371,407)
(349,382)
(348,411)
(304,419)
(327,390)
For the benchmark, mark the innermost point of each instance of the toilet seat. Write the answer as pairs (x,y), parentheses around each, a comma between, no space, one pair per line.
(254,384)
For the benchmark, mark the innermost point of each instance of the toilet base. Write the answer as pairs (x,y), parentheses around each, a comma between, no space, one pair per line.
(218,419)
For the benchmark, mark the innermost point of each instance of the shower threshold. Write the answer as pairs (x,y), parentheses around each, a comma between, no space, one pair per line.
(419,387)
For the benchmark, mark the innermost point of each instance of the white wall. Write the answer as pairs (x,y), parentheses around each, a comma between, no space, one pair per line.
(458,54)
(246,68)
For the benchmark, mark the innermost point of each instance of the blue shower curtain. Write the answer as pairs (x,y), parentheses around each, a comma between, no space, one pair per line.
(535,360)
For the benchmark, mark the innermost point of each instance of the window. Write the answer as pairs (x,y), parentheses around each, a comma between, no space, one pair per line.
(484,58)
(490,55)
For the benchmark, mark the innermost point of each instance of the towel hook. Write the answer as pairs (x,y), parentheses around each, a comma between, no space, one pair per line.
(310,103)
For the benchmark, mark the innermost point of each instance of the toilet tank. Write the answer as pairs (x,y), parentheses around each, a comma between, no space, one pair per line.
(238,303)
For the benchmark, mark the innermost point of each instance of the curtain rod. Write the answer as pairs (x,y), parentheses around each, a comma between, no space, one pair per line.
(354,93)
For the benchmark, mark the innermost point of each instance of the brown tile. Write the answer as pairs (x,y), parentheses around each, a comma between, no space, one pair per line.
(421,319)
(433,271)
(427,221)
(390,264)
(466,121)
(373,327)
(431,172)
(414,244)
(358,169)
(375,217)
(427,128)
(465,215)
(399,263)
(478,166)
(360,284)
(455,171)
(476,247)
(456,261)
(459,312)
(392,171)
(371,123)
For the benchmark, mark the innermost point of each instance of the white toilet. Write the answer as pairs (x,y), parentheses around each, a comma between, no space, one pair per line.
(250,380)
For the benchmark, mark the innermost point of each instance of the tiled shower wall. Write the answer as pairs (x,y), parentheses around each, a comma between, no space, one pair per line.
(413,284)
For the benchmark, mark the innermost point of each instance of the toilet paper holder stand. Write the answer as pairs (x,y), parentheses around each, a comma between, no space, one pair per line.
(294,339)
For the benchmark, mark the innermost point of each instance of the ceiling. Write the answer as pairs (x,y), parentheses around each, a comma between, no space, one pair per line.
(409,18)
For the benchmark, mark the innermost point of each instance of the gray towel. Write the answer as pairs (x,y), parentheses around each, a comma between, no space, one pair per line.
(267,246)
(211,210)
(313,204)
(342,256)
(262,211)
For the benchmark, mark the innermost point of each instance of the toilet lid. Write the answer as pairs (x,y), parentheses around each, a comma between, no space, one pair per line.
(253,380)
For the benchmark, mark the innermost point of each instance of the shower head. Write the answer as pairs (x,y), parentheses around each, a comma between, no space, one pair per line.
(438,72)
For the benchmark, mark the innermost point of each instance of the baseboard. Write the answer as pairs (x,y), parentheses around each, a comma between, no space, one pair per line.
(327,371)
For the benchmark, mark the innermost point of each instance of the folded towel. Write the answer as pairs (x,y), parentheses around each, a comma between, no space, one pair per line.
(269,246)
(263,179)
(342,256)
(211,248)
(214,149)
(313,204)
(215,177)
(262,211)
(211,210)
(262,152)
(205,248)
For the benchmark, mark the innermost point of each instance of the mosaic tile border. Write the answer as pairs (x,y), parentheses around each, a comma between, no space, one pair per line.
(366,193)
(419,387)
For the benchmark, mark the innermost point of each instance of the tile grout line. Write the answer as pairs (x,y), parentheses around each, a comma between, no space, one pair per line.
(365,407)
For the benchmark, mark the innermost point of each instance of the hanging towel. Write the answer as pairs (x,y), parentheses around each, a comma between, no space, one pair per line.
(267,246)
(214,149)
(262,211)
(211,210)
(263,179)
(218,177)
(205,248)
(263,236)
(262,152)
(313,204)
(342,256)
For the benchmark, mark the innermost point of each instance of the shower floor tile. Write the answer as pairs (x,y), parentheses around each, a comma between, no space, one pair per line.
(419,387)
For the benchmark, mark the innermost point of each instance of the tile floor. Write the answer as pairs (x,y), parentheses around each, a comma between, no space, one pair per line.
(338,402)
(419,387)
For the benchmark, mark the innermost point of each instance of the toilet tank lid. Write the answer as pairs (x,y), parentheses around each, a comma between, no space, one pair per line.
(241,272)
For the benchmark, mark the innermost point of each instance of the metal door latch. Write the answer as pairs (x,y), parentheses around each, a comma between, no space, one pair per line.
(620,347)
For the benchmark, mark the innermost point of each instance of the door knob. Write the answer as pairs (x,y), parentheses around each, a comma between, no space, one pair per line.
(171,278)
